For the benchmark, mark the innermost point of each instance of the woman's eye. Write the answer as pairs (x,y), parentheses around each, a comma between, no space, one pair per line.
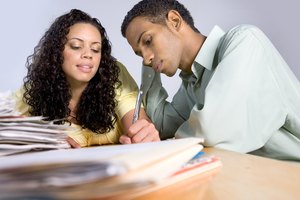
(75,47)
(96,50)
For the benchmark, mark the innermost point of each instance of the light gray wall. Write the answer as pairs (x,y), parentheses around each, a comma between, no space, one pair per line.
(24,22)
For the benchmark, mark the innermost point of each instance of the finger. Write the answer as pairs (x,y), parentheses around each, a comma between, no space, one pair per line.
(137,127)
(156,136)
(124,139)
(152,136)
(72,142)
(147,134)
(139,137)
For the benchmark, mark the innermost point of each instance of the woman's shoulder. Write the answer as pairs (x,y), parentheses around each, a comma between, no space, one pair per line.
(20,106)
(122,67)
(124,74)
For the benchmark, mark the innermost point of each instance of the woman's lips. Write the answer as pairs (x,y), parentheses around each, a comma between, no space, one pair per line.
(85,68)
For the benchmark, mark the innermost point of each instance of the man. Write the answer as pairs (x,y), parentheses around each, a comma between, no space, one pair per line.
(237,92)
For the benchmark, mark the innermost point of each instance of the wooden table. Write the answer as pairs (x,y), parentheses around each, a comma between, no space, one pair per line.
(242,176)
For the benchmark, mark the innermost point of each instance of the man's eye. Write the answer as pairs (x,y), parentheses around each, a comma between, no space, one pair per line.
(148,41)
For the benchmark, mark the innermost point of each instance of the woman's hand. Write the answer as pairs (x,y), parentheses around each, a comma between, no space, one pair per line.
(72,142)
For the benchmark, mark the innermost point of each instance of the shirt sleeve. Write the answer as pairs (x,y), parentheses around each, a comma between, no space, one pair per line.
(126,94)
(86,138)
(20,105)
(165,115)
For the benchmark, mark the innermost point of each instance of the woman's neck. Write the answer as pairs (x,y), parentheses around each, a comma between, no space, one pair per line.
(76,93)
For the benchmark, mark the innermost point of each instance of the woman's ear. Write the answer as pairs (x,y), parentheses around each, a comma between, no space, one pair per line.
(174,19)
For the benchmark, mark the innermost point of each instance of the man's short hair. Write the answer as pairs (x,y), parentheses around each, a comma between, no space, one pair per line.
(156,11)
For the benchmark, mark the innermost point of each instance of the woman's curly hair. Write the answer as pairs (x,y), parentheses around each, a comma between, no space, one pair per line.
(47,91)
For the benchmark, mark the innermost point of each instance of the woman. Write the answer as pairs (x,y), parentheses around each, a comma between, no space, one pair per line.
(72,77)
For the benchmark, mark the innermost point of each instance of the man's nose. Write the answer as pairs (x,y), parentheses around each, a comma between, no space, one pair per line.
(147,59)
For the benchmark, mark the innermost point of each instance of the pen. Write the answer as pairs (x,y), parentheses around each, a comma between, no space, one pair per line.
(137,106)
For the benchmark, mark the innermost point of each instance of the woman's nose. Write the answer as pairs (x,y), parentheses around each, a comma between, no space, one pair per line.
(87,53)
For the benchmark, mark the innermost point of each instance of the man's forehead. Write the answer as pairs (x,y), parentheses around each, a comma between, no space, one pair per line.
(136,27)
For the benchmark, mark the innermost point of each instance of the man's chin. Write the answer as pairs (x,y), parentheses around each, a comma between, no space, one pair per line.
(169,74)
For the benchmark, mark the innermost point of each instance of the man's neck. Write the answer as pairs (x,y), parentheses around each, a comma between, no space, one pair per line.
(192,45)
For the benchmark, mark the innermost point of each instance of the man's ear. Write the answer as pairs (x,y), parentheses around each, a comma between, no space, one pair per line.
(174,19)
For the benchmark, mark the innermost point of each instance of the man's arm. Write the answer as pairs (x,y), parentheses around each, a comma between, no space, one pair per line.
(166,116)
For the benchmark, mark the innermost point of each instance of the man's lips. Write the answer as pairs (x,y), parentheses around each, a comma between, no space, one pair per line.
(157,67)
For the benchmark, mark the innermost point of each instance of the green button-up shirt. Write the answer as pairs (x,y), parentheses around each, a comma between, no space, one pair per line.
(242,96)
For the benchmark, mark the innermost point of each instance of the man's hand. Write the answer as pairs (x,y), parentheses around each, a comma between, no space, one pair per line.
(141,131)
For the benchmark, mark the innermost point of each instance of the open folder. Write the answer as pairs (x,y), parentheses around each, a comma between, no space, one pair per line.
(98,172)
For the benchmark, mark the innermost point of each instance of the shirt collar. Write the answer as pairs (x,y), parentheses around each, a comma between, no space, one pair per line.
(207,52)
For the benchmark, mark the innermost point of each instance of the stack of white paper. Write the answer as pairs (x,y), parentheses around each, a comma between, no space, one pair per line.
(95,172)
(22,134)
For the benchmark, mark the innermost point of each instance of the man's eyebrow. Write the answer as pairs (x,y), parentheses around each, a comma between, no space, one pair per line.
(139,39)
